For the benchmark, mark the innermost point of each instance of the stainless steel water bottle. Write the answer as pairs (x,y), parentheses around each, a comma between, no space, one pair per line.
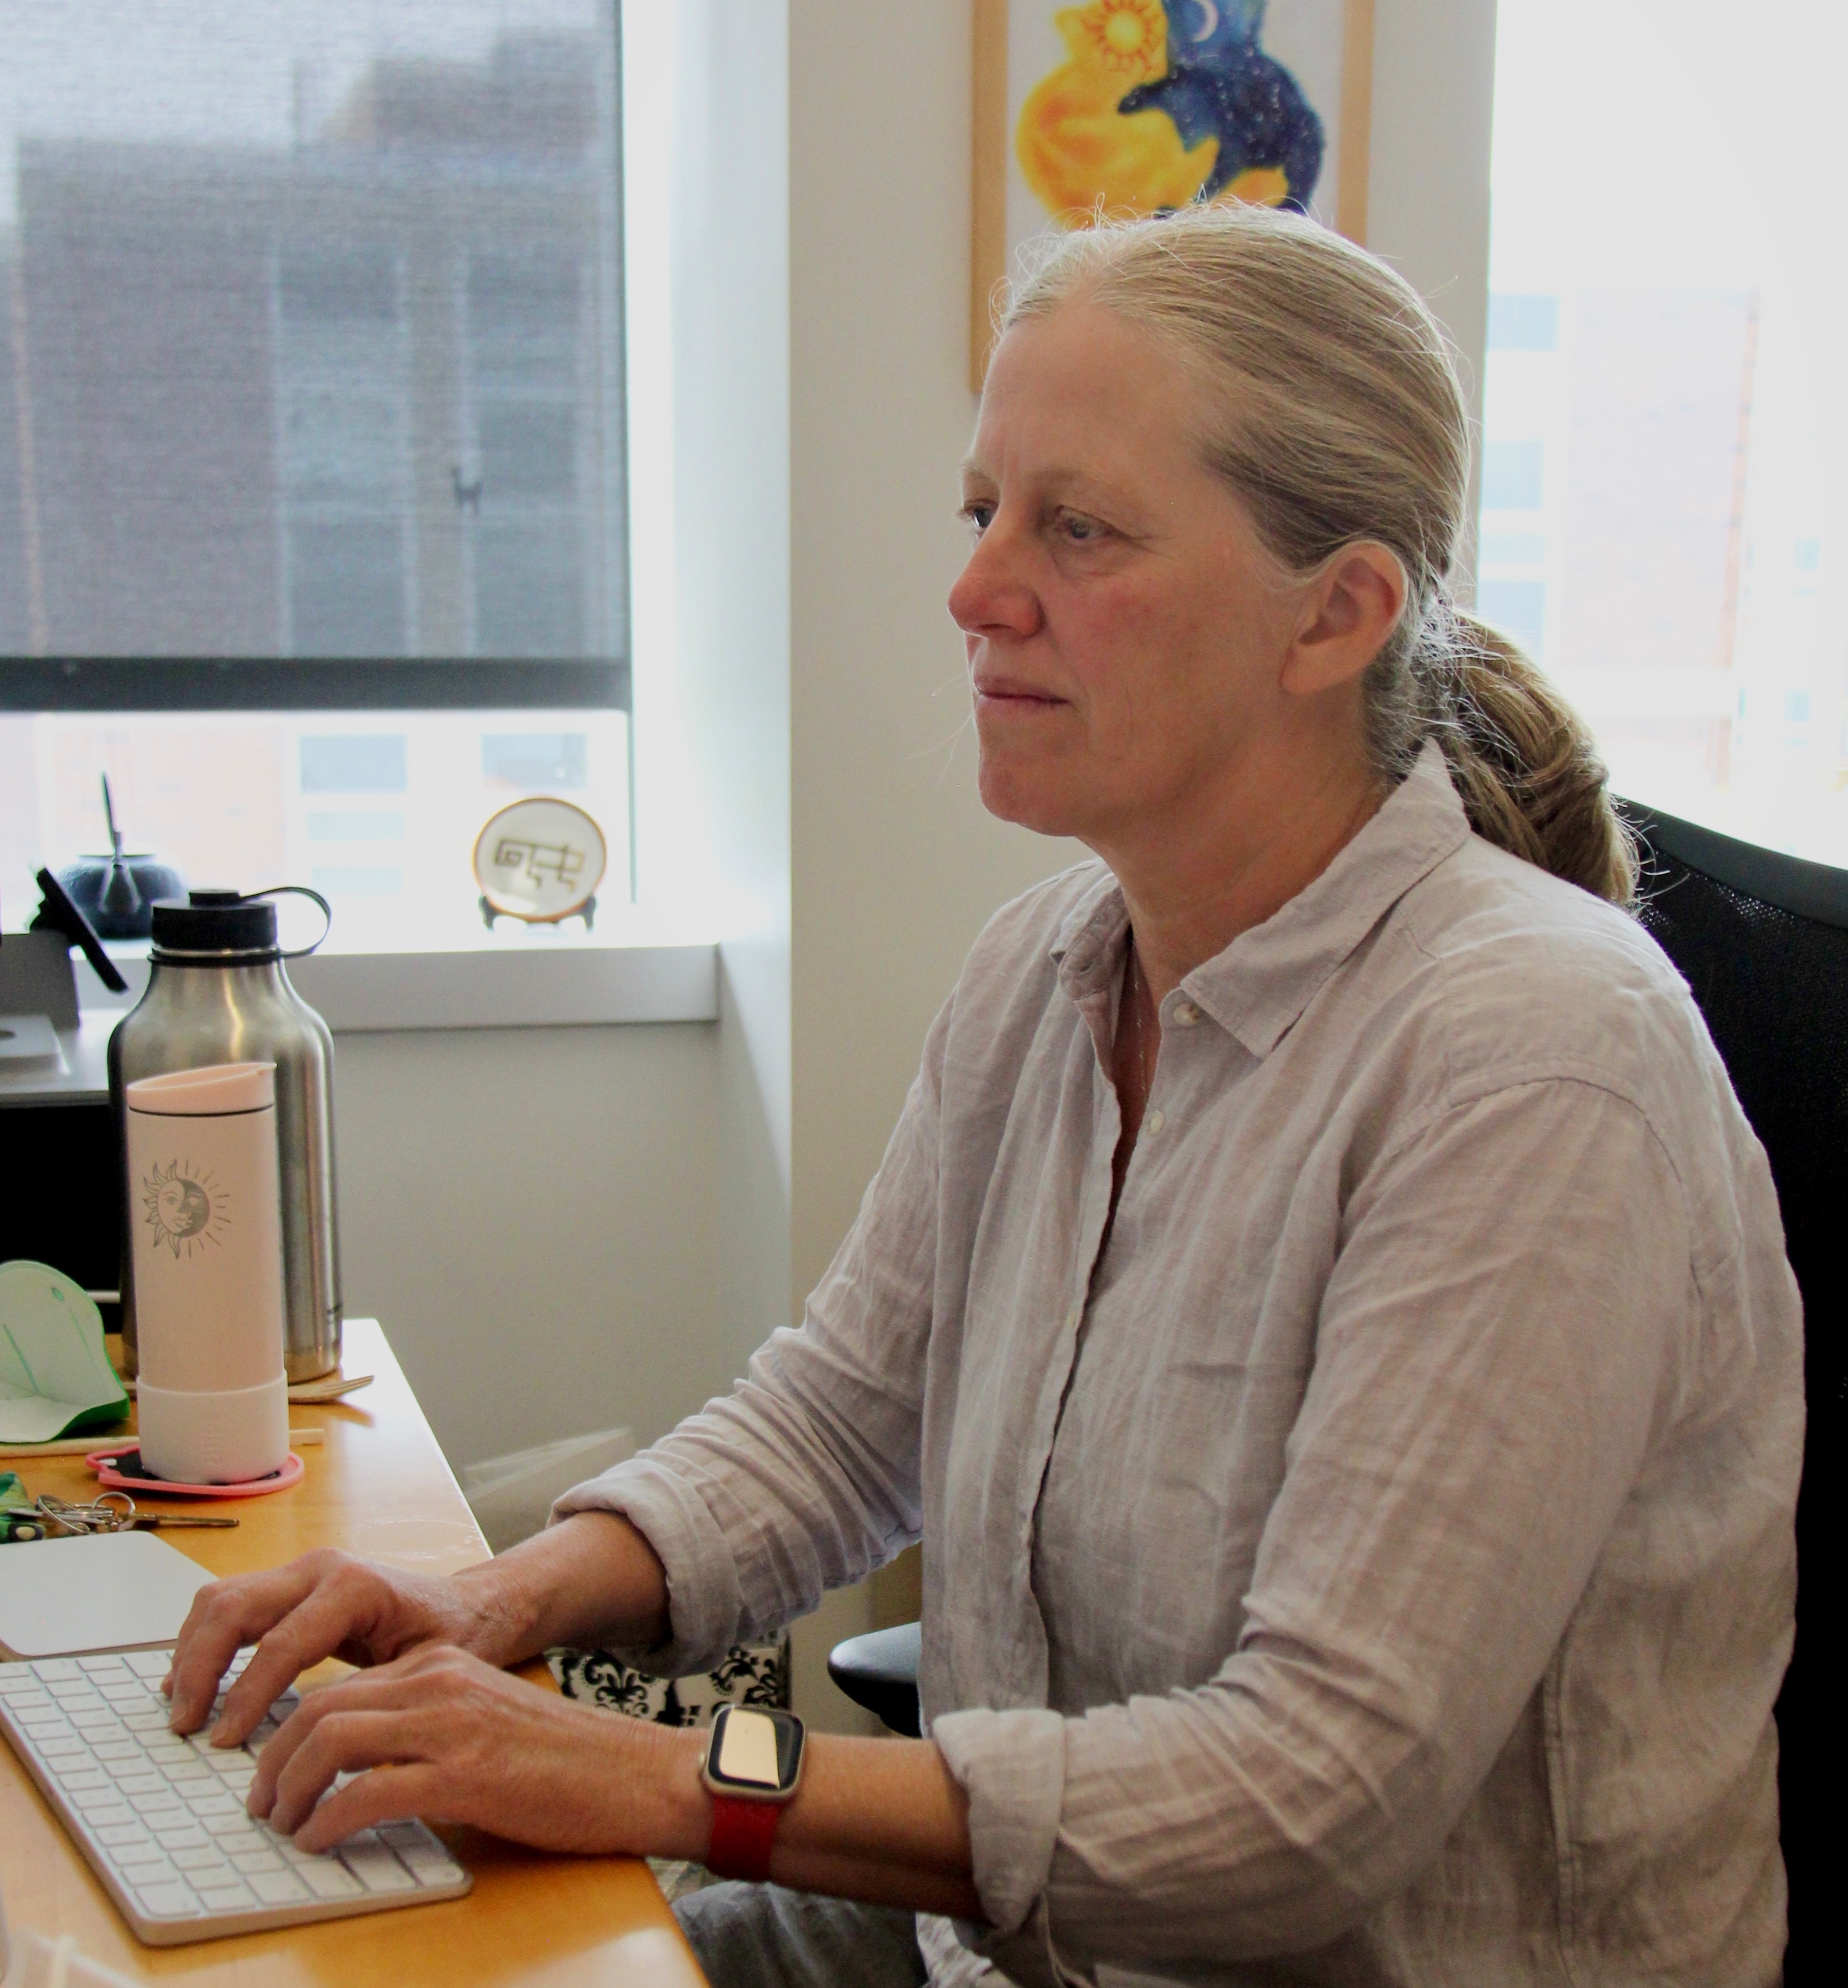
(218,992)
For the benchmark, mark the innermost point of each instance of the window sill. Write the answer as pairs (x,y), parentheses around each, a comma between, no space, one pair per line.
(550,986)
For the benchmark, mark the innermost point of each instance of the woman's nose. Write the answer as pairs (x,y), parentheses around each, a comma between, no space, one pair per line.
(992,595)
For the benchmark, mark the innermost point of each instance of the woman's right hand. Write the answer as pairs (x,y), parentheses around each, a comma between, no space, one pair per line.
(325,1604)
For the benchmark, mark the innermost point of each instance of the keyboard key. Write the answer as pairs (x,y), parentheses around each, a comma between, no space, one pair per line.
(279,1888)
(179,1836)
(247,1861)
(53,1669)
(91,1802)
(206,1857)
(84,1781)
(60,1746)
(173,1901)
(431,1867)
(151,1664)
(326,1880)
(147,1858)
(377,1869)
(226,1898)
(235,1842)
(101,1666)
(131,1785)
(103,1818)
(116,1750)
(163,1802)
(151,1719)
(121,1835)
(17,1678)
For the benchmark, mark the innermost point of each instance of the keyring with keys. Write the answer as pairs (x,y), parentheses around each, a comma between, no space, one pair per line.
(113,1511)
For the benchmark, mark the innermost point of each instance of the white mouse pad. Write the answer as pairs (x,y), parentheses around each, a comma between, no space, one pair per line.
(103,1591)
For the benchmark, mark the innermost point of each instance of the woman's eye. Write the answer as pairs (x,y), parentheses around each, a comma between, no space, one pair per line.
(979,514)
(1077,530)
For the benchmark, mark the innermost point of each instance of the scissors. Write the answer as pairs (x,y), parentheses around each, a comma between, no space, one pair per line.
(113,1511)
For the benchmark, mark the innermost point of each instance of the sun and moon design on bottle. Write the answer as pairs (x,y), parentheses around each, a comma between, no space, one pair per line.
(186,1208)
(1164,103)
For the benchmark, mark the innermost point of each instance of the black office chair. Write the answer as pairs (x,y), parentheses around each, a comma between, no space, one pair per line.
(1762,940)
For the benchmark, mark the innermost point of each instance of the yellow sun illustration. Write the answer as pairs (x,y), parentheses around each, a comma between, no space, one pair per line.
(185,1210)
(1127,35)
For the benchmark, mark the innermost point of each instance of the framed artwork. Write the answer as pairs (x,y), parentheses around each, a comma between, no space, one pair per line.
(1136,106)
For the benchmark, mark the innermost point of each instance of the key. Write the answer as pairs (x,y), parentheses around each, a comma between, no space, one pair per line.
(251,1862)
(226,1898)
(206,1859)
(153,1664)
(146,1522)
(377,1869)
(328,1881)
(173,1901)
(278,1888)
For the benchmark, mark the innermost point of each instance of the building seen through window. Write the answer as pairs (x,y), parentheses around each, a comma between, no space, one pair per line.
(1661,523)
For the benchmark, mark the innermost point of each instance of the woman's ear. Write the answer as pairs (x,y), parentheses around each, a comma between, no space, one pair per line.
(1351,608)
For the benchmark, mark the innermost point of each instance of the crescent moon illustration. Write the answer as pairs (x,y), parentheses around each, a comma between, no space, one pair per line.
(1209,19)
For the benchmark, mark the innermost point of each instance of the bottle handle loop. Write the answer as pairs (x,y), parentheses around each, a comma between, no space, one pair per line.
(299,891)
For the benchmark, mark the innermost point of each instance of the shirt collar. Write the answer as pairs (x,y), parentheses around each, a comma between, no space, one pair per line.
(1262,981)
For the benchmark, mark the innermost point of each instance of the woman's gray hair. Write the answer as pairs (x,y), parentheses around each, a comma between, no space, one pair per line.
(1330,405)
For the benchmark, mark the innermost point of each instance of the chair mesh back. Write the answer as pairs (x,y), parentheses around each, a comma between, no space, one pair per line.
(1773,987)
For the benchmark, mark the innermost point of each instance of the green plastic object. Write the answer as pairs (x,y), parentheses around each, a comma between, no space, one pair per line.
(55,1377)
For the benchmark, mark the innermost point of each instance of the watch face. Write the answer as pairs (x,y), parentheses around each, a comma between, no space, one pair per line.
(755,1752)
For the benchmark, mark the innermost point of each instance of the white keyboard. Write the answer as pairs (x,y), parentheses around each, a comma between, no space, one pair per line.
(161,1820)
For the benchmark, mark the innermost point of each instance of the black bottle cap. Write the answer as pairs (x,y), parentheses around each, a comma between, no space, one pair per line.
(214,921)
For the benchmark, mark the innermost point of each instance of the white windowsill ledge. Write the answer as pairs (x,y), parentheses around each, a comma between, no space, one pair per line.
(548,986)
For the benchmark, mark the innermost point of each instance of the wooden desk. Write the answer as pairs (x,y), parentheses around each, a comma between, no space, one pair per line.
(379,1487)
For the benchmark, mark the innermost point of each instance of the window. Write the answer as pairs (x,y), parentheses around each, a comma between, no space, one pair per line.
(1662,522)
(310,402)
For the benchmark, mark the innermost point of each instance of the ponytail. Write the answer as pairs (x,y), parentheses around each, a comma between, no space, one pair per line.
(1524,765)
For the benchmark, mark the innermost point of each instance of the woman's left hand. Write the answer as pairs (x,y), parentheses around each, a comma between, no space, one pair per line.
(441,1735)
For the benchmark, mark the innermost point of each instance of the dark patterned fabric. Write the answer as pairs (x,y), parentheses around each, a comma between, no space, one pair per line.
(754,1674)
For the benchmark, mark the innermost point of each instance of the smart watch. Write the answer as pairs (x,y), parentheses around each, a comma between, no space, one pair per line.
(753,1764)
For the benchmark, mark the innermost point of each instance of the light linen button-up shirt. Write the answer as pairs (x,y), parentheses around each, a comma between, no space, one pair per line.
(1376,1565)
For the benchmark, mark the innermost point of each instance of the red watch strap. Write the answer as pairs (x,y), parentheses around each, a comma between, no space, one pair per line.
(742,1832)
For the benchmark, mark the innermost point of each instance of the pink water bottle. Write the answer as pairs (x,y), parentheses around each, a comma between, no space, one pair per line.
(206,1223)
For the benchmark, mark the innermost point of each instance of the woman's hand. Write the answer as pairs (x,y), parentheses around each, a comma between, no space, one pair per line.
(325,1604)
(441,1735)
(590,1580)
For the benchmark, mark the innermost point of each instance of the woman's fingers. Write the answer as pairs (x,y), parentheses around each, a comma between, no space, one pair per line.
(324,1604)
(352,1742)
(388,1689)
(223,1618)
(386,1795)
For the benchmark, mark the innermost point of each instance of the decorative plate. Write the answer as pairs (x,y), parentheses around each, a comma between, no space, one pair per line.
(540,860)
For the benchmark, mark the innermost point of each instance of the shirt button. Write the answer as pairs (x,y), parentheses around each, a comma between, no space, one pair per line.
(1154,1123)
(1186,1014)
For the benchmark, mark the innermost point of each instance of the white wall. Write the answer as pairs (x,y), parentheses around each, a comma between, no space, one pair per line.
(529,1212)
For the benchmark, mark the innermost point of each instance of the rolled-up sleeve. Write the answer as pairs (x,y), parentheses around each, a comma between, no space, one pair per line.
(806,1477)
(1501,1324)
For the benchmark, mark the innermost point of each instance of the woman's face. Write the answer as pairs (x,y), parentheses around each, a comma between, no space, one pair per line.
(1127,632)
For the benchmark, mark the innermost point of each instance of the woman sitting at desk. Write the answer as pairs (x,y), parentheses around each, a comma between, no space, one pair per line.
(1322,1307)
